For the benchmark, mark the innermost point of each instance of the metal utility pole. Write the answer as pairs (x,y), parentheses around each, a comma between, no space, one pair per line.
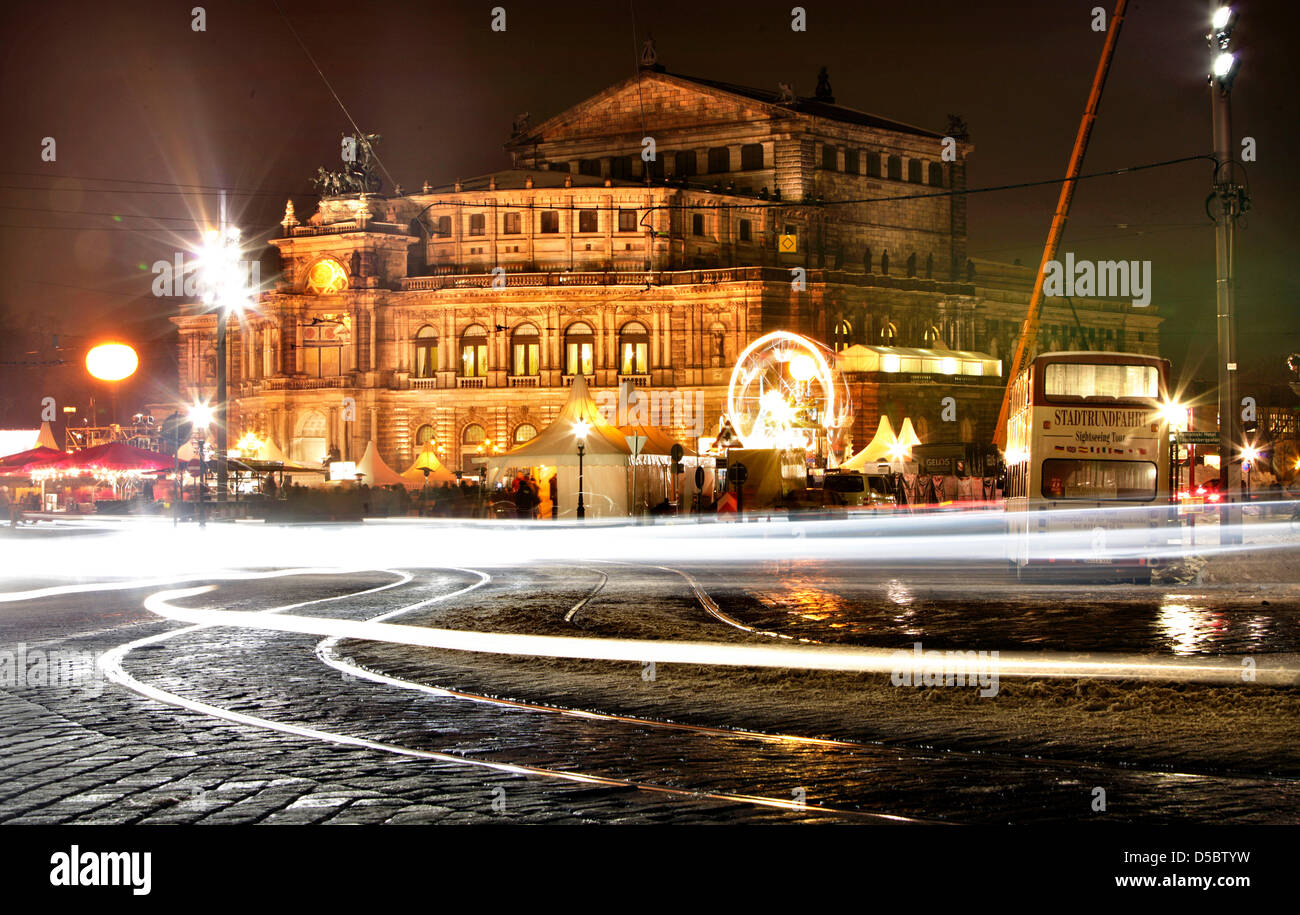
(222,315)
(1029,332)
(1227,202)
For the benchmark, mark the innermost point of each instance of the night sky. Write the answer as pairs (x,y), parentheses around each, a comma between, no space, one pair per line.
(130,92)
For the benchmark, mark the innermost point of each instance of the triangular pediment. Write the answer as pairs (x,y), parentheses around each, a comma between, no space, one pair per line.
(646,103)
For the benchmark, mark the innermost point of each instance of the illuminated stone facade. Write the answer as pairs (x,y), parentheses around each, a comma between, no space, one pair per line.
(462,313)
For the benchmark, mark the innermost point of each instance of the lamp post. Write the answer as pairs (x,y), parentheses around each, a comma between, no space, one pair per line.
(1249,455)
(200,418)
(112,363)
(1231,201)
(1177,419)
(580,429)
(225,290)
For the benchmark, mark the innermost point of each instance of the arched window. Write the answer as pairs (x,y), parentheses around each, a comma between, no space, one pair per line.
(525,432)
(326,276)
(442,227)
(426,352)
(936,175)
(633,349)
(424,435)
(525,350)
(473,434)
(843,336)
(932,337)
(914,171)
(473,352)
(888,333)
(895,168)
(579,350)
(310,445)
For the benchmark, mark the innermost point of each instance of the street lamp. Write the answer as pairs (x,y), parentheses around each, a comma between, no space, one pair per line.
(1177,417)
(1248,457)
(112,363)
(224,289)
(1230,202)
(200,416)
(580,430)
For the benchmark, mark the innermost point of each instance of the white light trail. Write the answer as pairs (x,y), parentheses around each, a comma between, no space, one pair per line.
(128,551)
(1224,670)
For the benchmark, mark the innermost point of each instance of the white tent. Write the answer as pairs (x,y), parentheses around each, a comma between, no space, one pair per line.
(377,473)
(270,452)
(427,458)
(878,449)
(553,455)
(907,436)
(46,438)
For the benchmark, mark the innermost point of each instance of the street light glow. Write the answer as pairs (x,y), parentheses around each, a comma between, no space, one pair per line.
(581,428)
(112,362)
(1175,415)
(223,280)
(1224,64)
(1222,16)
(201,415)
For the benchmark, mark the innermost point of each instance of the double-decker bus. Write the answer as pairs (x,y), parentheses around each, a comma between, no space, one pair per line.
(1088,462)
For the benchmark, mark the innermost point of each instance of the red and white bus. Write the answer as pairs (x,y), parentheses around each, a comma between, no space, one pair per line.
(1088,461)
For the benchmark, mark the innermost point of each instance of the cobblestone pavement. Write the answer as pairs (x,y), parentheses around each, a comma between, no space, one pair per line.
(102,753)
(70,756)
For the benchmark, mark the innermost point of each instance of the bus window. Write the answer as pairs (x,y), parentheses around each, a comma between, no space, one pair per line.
(1080,381)
(1099,481)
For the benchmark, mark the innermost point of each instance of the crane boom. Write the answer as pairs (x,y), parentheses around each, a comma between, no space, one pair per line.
(1029,332)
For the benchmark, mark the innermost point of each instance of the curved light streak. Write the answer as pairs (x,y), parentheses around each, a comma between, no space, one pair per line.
(850,660)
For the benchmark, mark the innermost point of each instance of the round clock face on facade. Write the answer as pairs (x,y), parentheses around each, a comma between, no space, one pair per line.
(325,276)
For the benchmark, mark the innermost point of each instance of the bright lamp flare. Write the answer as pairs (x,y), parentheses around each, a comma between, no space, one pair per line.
(1223,64)
(223,273)
(201,414)
(1175,415)
(1249,453)
(1221,17)
(802,367)
(112,362)
(581,428)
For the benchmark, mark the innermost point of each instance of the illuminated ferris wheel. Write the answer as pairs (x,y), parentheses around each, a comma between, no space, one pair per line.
(786,393)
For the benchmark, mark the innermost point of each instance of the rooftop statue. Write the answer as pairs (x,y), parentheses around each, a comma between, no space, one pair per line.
(358,175)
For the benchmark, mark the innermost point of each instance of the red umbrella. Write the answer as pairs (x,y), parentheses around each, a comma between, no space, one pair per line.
(113,457)
(17,463)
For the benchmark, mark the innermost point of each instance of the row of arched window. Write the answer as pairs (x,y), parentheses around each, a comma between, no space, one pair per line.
(474,434)
(578,354)
(843,336)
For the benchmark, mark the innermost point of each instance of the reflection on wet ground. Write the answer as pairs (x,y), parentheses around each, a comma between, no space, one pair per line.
(830,603)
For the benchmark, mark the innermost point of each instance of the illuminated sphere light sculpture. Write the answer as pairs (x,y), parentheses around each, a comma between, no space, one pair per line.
(786,393)
(112,362)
